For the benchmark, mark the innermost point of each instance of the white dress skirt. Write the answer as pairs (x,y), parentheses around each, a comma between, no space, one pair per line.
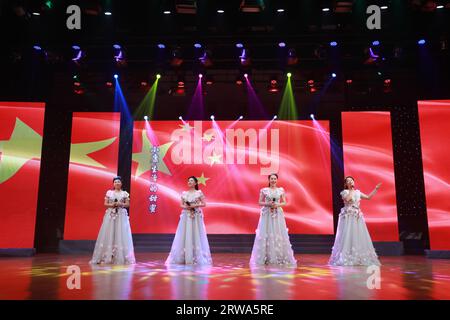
(190,245)
(114,242)
(353,245)
(272,245)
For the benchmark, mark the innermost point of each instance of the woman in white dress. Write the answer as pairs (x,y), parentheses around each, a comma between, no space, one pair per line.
(353,245)
(190,245)
(272,245)
(114,242)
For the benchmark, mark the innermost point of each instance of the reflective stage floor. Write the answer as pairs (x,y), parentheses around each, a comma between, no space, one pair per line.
(45,276)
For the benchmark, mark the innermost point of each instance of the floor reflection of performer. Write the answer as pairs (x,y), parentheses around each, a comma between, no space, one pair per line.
(353,245)
(272,245)
(190,245)
(114,242)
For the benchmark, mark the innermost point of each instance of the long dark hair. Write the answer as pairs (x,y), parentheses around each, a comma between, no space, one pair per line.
(272,174)
(345,181)
(196,181)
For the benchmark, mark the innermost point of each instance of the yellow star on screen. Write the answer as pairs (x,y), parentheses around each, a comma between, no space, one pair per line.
(23,145)
(79,152)
(208,137)
(215,158)
(143,158)
(202,179)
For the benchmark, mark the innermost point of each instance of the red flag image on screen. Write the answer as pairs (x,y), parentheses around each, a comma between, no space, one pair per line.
(232,162)
(21,131)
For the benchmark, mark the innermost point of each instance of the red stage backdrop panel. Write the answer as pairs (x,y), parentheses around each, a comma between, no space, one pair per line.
(21,131)
(434,117)
(232,161)
(94,153)
(368,157)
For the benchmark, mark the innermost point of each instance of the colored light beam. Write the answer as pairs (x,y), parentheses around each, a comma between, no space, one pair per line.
(120,104)
(316,101)
(288,107)
(147,105)
(256,109)
(325,135)
(234,122)
(151,134)
(196,109)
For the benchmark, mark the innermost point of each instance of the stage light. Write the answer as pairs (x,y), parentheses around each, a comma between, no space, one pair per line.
(197,45)
(333,43)
(349,81)
(282,44)
(440,6)
(334,75)
(146,118)
(246,75)
(167,12)
(244,58)
(116,76)
(38,48)
(158,76)
(161,46)
(383,7)
(181,118)
(241,117)
(274,117)
(375,43)
(387,81)
(289,74)
(109,84)
(144,83)
(421,42)
(220,11)
(108,13)
(200,75)
(36,14)
(238,81)
(49,4)
(212,117)
(75,47)
(239,45)
(273,87)
(311,82)
(312,116)
(280,10)
(117,46)
(325,9)
(209,80)
(291,59)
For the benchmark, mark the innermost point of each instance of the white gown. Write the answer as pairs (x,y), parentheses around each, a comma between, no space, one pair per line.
(114,242)
(190,245)
(353,245)
(272,245)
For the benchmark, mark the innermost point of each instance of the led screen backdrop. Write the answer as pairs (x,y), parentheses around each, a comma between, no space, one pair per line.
(368,157)
(94,153)
(21,131)
(434,117)
(232,161)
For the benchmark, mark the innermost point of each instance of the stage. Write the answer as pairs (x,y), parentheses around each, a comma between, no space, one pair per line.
(44,276)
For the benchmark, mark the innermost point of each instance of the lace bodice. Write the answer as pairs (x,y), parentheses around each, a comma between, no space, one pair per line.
(121,196)
(192,196)
(354,201)
(269,194)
